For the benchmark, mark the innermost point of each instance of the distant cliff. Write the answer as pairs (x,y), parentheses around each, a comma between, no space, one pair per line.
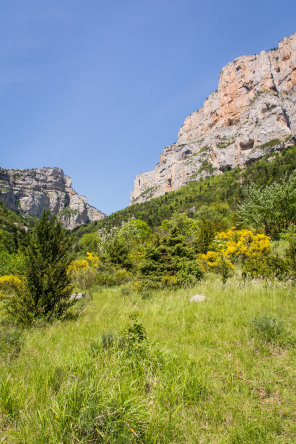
(252,113)
(32,191)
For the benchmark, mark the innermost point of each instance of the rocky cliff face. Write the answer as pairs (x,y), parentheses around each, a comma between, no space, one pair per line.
(252,113)
(32,191)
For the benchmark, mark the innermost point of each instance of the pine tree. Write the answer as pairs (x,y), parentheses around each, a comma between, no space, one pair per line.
(47,286)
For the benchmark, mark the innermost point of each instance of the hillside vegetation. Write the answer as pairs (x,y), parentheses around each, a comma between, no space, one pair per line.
(135,360)
(227,188)
(12,227)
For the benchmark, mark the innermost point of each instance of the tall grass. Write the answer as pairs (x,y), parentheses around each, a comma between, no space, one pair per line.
(218,371)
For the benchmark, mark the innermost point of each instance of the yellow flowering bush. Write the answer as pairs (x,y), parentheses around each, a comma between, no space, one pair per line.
(236,244)
(211,258)
(81,264)
(92,259)
(10,282)
(242,243)
(169,281)
(83,271)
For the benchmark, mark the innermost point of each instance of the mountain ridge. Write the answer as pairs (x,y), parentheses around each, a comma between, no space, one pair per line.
(31,191)
(253,112)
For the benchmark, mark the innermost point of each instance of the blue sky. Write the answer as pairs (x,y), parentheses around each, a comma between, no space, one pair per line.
(100,87)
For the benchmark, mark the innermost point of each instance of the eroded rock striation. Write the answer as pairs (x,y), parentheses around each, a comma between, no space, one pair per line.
(32,191)
(253,112)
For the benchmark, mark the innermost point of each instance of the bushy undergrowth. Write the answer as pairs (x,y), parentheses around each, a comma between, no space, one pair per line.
(267,267)
(273,330)
(213,198)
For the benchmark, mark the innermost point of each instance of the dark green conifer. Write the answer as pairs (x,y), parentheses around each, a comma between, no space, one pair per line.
(47,286)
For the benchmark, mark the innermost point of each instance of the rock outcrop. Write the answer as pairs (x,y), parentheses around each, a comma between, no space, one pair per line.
(32,191)
(252,113)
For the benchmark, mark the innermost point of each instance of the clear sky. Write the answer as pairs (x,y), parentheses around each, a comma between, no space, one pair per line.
(100,87)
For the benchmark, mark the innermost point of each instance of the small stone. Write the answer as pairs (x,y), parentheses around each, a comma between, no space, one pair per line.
(197,298)
(77,296)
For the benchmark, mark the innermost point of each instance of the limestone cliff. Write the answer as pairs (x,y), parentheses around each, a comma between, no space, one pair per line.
(252,113)
(32,191)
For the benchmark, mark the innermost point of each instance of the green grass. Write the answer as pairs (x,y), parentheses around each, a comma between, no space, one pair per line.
(219,371)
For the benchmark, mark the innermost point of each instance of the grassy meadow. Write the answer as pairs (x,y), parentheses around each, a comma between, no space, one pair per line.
(218,371)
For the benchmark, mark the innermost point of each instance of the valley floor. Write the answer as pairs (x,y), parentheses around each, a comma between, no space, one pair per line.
(156,370)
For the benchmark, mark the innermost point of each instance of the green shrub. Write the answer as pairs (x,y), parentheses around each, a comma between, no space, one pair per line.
(109,274)
(268,328)
(291,253)
(190,271)
(272,207)
(136,332)
(267,267)
(84,278)
(47,286)
(12,263)
(89,242)
(108,339)
(132,338)
(126,290)
(273,330)
(224,268)
(169,281)
(167,258)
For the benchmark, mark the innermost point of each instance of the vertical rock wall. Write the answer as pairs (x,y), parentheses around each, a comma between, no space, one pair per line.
(252,113)
(32,191)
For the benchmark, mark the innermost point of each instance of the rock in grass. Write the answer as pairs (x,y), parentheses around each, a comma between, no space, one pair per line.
(77,296)
(197,298)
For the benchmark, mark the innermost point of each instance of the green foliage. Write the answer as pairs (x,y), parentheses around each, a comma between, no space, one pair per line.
(13,228)
(271,329)
(89,242)
(207,230)
(270,144)
(206,167)
(84,278)
(266,267)
(135,333)
(272,207)
(186,226)
(291,252)
(13,235)
(224,269)
(11,263)
(108,340)
(121,245)
(47,285)
(222,189)
(188,271)
(170,255)
(109,274)
(67,212)
(134,231)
